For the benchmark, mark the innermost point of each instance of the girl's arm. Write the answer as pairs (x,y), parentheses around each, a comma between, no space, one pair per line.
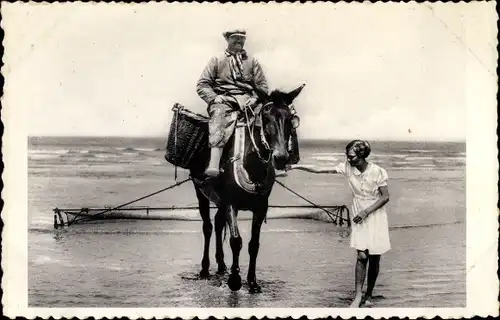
(312,168)
(384,198)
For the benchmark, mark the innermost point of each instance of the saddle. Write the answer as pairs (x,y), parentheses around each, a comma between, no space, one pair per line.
(240,174)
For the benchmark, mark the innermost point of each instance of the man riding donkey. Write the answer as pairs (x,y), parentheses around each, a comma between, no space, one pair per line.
(229,84)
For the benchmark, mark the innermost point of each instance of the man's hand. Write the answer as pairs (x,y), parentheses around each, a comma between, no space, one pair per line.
(250,102)
(360,217)
(218,99)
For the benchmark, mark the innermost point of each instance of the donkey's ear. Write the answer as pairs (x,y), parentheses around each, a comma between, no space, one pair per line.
(261,94)
(294,93)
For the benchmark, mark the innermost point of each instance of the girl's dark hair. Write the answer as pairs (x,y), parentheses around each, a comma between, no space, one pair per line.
(360,147)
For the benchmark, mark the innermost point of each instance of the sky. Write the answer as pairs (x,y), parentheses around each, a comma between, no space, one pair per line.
(386,71)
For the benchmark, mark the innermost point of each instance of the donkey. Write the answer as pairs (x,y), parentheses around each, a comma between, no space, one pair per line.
(247,176)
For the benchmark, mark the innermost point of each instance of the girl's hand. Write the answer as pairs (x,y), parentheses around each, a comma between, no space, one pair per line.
(302,166)
(293,166)
(360,217)
(280,174)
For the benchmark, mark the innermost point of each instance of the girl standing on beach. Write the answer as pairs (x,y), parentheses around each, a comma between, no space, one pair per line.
(370,229)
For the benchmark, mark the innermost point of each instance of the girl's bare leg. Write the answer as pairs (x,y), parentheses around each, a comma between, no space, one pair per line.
(360,274)
(373,269)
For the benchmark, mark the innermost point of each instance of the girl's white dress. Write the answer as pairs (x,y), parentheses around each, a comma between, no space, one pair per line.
(371,234)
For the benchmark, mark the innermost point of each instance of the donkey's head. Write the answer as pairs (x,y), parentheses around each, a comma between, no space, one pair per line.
(278,119)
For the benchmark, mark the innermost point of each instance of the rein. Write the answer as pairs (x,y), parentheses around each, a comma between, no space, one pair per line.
(262,135)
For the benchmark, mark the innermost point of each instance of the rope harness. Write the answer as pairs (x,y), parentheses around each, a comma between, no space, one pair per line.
(78,217)
(337,216)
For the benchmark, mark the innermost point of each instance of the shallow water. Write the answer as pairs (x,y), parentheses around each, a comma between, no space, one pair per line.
(301,263)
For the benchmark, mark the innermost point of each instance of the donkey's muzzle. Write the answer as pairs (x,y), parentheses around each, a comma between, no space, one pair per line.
(280,159)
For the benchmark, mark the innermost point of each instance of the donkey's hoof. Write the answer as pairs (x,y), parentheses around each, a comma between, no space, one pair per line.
(204,274)
(253,287)
(221,270)
(234,282)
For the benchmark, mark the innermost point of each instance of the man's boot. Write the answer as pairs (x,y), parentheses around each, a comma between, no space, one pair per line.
(213,166)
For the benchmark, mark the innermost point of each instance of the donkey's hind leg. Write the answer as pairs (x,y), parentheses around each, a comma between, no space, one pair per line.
(204,208)
(220,221)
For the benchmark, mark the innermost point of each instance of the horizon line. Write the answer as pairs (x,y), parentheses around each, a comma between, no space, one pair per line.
(302,139)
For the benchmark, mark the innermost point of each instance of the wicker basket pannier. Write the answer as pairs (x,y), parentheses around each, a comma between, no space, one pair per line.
(188,137)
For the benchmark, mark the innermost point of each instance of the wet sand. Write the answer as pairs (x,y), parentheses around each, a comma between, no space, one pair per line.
(301,263)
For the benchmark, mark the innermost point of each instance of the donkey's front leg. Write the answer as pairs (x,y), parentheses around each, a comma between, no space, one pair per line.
(234,281)
(253,249)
